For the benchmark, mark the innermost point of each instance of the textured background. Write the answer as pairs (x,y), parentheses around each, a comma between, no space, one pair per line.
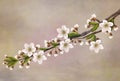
(28,21)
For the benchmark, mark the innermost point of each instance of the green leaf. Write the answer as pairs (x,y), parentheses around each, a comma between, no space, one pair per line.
(26,59)
(11,61)
(73,34)
(95,27)
(93,23)
(111,20)
(89,36)
(54,44)
(93,38)
(43,49)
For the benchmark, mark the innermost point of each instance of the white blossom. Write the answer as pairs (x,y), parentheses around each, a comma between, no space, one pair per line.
(21,52)
(55,55)
(39,57)
(29,49)
(96,46)
(63,32)
(61,52)
(38,46)
(81,43)
(77,41)
(93,16)
(87,43)
(106,26)
(46,43)
(56,40)
(20,66)
(76,26)
(65,45)
(48,54)
(115,28)
(110,37)
(16,56)
(10,68)
(27,66)
(86,26)
(88,21)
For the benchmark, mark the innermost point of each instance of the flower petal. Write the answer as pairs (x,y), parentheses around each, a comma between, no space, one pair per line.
(91,47)
(31,44)
(96,50)
(70,46)
(101,47)
(98,41)
(105,21)
(110,23)
(26,45)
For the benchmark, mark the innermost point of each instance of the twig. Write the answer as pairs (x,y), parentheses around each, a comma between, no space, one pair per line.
(114,15)
(85,33)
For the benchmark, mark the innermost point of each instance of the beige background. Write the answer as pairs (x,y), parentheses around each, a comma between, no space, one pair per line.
(28,21)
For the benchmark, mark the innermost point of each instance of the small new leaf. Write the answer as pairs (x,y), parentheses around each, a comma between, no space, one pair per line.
(93,38)
(44,49)
(73,35)
(90,36)
(93,23)
(25,59)
(95,27)
(111,20)
(10,61)
(54,44)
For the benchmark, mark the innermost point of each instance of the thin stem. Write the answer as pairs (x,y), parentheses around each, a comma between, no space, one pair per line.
(85,33)
(50,48)
(114,15)
(91,33)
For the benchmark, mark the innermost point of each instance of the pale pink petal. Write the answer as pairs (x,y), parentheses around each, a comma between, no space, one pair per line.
(40,61)
(70,45)
(96,50)
(105,21)
(101,47)
(110,23)
(92,42)
(31,44)
(59,30)
(76,25)
(26,45)
(66,50)
(98,41)
(67,40)
(91,47)
(64,27)
(60,36)
(109,29)
(44,57)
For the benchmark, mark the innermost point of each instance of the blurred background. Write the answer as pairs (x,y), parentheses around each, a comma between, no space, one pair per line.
(25,21)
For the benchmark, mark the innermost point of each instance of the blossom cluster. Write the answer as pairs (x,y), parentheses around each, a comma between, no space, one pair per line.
(105,26)
(65,40)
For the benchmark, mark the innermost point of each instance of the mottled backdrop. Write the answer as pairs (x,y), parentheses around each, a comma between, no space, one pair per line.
(25,21)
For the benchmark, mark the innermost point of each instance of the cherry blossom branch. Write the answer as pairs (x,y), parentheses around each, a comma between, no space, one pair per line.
(65,40)
(96,32)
